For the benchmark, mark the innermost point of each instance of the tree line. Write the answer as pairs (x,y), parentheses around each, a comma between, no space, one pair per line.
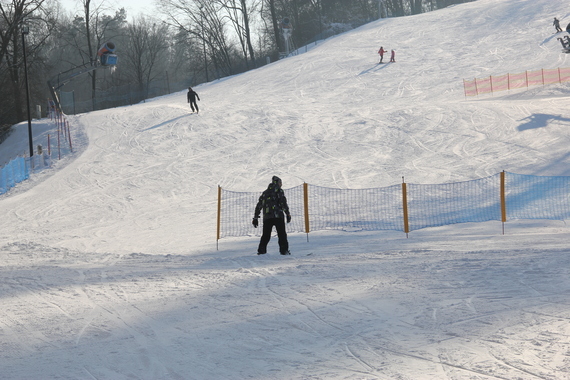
(195,40)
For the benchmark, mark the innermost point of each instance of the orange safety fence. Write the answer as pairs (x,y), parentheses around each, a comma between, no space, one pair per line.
(509,81)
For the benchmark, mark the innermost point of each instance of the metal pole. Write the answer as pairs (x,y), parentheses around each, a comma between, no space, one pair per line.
(25,31)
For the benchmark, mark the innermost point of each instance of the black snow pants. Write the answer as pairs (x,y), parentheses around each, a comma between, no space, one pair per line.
(268,224)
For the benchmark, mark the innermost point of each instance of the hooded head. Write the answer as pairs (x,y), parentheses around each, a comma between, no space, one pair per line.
(276,181)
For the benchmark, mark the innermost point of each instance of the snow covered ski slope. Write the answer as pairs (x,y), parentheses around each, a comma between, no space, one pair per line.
(109,267)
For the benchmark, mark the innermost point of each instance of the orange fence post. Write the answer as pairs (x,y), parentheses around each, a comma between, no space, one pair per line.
(503,201)
(219,214)
(306,208)
(405,207)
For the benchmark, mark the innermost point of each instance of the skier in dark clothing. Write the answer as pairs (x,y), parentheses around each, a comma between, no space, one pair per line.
(274,206)
(556,24)
(192,95)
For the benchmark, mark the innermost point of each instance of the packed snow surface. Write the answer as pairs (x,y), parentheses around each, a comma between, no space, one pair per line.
(110,267)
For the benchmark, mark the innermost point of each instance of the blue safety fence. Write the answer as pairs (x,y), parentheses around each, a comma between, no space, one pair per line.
(15,171)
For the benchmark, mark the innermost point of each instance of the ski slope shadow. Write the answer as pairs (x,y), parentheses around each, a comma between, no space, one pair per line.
(540,120)
(376,67)
(166,122)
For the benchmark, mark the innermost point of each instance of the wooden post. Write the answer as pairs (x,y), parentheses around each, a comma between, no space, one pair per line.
(306,208)
(405,206)
(218,229)
(503,201)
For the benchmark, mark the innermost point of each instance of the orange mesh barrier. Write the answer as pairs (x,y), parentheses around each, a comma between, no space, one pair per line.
(509,81)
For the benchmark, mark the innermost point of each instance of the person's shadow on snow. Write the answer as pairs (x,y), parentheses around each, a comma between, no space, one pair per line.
(376,67)
(540,120)
(164,123)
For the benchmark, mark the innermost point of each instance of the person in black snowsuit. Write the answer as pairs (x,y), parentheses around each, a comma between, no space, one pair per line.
(273,204)
(192,95)
(556,24)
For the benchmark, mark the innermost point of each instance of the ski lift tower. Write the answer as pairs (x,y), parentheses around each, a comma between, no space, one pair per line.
(105,58)
(287,31)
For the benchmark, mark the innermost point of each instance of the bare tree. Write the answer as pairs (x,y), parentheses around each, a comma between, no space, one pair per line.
(186,57)
(13,15)
(203,20)
(239,15)
(97,28)
(146,49)
(269,8)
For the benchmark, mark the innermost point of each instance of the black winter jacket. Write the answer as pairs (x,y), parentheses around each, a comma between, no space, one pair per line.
(192,95)
(272,203)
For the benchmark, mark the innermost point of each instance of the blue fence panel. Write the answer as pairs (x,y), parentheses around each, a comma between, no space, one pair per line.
(15,171)
(3,183)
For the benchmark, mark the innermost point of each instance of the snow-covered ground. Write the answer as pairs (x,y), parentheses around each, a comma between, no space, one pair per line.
(109,267)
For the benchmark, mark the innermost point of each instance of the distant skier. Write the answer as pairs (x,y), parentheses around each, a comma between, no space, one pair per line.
(392,56)
(556,24)
(274,206)
(381,52)
(192,95)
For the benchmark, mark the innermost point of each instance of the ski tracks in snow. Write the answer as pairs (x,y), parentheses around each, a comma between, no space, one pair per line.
(411,312)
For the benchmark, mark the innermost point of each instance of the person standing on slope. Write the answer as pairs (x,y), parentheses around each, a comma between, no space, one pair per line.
(381,52)
(393,56)
(274,206)
(556,24)
(192,95)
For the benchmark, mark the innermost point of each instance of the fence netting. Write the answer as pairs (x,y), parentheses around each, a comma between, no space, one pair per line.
(362,209)
(501,197)
(237,212)
(492,84)
(450,203)
(537,197)
(12,173)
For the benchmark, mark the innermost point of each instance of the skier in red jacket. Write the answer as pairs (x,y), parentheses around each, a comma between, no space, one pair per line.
(381,52)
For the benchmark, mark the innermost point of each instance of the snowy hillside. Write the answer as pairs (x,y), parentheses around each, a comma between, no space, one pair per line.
(109,260)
